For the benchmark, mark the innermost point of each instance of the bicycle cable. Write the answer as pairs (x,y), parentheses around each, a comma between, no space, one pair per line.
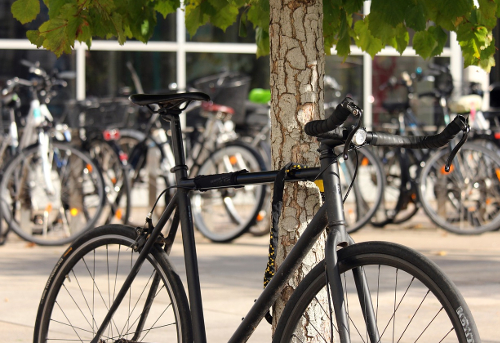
(150,214)
(355,149)
(353,177)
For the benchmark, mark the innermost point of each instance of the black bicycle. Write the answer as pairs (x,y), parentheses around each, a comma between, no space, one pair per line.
(117,284)
(463,200)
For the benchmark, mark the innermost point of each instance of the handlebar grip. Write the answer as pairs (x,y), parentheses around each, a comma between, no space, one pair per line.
(420,142)
(317,127)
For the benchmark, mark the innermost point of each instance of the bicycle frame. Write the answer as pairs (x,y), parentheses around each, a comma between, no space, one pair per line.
(329,216)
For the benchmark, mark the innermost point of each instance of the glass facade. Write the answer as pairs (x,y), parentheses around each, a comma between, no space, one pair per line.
(173,56)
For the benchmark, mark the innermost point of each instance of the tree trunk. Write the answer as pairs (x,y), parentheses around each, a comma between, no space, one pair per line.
(297,69)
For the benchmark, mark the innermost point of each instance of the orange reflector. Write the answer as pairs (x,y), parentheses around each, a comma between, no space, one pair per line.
(233,160)
(414,196)
(118,214)
(497,171)
(73,212)
(48,208)
(260,217)
(89,168)
(113,180)
(365,162)
(488,201)
(443,171)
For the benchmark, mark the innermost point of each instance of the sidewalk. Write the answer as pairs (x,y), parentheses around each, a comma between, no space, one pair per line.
(231,276)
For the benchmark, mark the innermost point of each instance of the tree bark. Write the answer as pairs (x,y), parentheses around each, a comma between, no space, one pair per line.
(297,69)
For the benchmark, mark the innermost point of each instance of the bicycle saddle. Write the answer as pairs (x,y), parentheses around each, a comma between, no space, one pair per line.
(170,101)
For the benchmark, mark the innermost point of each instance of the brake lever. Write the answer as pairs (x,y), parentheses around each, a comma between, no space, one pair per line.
(356,111)
(454,152)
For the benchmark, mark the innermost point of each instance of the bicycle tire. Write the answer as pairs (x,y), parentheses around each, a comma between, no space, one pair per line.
(116,181)
(399,203)
(72,307)
(467,199)
(38,216)
(263,225)
(222,215)
(366,194)
(414,301)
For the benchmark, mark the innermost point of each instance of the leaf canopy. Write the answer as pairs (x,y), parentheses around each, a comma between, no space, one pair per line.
(387,24)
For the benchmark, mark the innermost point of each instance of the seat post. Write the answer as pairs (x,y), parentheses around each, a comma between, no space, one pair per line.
(187,229)
(180,168)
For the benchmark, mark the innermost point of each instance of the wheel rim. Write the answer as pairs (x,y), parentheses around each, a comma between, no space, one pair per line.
(406,310)
(87,291)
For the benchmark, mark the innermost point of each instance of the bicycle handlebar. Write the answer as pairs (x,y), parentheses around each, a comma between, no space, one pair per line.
(419,142)
(338,117)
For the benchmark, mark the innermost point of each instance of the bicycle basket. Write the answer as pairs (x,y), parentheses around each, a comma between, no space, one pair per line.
(108,113)
(228,89)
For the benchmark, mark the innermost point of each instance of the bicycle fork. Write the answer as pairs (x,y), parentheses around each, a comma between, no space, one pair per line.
(337,236)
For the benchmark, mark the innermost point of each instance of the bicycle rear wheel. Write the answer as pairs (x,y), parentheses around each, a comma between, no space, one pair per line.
(399,203)
(367,189)
(465,200)
(57,213)
(87,278)
(222,215)
(412,300)
(116,180)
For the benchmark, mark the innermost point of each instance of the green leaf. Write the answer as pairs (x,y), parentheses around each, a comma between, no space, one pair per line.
(380,28)
(429,43)
(243,25)
(35,37)
(402,38)
(424,43)
(118,24)
(225,17)
(487,59)
(352,6)
(451,9)
(56,39)
(207,8)
(390,12)
(343,46)
(488,8)
(194,19)
(165,7)
(84,34)
(365,40)
(473,39)
(441,37)
(56,5)
(258,13)
(262,40)
(25,10)
(415,16)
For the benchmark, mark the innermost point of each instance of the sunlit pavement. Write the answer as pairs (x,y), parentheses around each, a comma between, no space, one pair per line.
(231,276)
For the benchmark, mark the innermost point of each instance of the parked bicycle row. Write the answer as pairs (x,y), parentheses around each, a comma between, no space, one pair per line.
(58,180)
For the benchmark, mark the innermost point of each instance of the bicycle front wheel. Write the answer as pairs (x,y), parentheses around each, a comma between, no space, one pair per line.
(51,209)
(465,200)
(412,301)
(224,214)
(87,278)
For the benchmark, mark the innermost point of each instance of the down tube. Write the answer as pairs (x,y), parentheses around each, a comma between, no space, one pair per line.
(281,277)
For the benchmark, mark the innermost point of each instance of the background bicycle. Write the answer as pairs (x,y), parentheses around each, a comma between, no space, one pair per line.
(51,192)
(462,201)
